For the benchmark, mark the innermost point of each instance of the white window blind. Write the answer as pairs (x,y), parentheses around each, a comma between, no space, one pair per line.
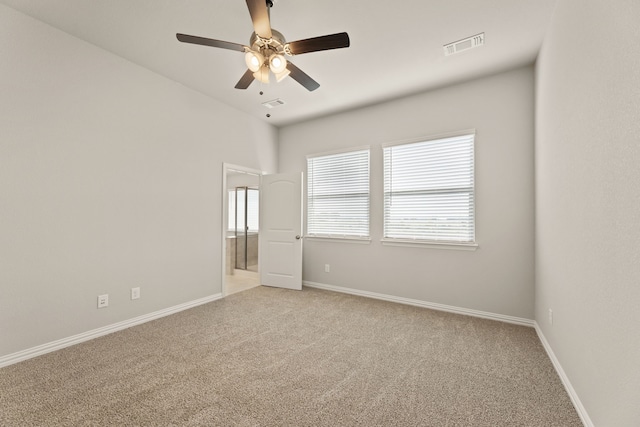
(429,190)
(338,194)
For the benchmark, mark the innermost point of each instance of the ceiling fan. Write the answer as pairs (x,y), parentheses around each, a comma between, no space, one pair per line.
(267,48)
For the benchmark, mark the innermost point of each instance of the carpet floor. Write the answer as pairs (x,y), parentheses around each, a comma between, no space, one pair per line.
(273,357)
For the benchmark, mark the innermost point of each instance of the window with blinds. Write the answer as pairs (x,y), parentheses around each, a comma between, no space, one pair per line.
(429,190)
(338,195)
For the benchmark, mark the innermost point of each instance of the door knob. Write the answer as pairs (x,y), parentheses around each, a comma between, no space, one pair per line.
(298,237)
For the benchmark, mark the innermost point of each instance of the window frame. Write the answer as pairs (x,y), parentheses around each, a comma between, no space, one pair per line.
(422,242)
(338,237)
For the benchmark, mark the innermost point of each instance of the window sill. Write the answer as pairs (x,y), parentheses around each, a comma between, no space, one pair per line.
(430,245)
(340,239)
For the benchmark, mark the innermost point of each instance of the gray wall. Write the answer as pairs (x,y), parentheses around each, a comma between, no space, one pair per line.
(499,276)
(110,178)
(236,179)
(588,202)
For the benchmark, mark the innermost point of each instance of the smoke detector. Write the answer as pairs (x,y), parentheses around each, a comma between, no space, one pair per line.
(464,44)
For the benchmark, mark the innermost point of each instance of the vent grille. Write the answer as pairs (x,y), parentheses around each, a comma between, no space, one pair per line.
(273,103)
(464,44)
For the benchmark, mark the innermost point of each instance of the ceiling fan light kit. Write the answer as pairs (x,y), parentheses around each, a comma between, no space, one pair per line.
(254,60)
(277,63)
(267,47)
(262,75)
(282,75)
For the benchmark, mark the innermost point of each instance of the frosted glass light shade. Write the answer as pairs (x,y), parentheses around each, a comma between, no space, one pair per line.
(282,75)
(277,63)
(262,75)
(254,60)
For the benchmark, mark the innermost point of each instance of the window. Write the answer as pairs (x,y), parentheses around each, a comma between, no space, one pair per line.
(429,190)
(338,195)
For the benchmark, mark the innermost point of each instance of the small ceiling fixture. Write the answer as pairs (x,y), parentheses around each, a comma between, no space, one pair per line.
(273,103)
(267,47)
(464,44)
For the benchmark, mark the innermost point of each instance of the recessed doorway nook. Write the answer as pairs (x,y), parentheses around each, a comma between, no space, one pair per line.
(240,228)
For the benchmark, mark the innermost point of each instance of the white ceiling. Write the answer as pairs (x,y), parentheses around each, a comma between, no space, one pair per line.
(396,47)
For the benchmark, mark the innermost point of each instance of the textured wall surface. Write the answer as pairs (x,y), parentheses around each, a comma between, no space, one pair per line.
(110,178)
(588,203)
(498,277)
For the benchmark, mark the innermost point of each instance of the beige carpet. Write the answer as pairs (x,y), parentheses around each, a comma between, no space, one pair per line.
(271,357)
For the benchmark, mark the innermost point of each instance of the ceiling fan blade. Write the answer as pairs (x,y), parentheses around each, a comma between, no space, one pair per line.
(246,79)
(315,44)
(185,38)
(260,17)
(301,77)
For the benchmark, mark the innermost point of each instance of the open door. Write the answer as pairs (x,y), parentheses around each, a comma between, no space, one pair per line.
(281,230)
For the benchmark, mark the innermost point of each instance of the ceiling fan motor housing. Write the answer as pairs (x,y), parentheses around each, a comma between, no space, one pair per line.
(268,46)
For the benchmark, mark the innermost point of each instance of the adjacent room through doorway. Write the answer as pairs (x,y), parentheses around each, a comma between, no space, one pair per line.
(242,195)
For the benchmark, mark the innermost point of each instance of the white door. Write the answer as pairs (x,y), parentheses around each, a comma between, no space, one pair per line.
(281,230)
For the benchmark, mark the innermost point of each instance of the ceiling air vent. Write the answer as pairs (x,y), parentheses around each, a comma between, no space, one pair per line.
(464,44)
(273,103)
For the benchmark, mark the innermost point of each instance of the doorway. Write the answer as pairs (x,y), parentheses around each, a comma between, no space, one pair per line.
(244,215)
(241,229)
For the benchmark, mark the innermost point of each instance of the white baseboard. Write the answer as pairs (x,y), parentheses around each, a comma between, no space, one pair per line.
(95,333)
(582,412)
(431,305)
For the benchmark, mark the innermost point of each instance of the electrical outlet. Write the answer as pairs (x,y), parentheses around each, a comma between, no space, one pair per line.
(550,317)
(103,301)
(327,268)
(135,293)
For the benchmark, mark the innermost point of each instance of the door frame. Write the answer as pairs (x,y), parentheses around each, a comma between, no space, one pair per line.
(226,168)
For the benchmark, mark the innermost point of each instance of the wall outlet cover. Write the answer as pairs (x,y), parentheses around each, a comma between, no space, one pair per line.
(103,301)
